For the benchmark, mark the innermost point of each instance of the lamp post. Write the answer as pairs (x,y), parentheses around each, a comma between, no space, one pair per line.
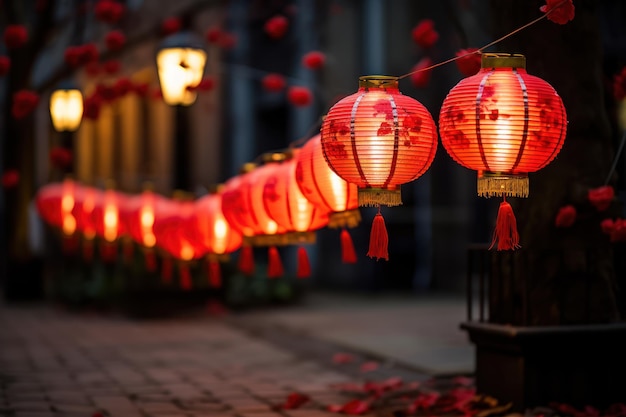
(180,64)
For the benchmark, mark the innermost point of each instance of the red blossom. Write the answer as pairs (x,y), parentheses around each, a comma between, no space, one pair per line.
(421,78)
(601,197)
(5,65)
(141,89)
(106,92)
(294,400)
(423,402)
(618,234)
(273,83)
(111,66)
(24,102)
(424,34)
(276,27)
(91,107)
(566,216)
(115,40)
(15,36)
(122,87)
(557,12)
(619,85)
(353,407)
(206,84)
(468,61)
(213,35)
(75,56)
(109,11)
(607,226)
(299,96)
(10,178)
(342,357)
(313,60)
(61,157)
(170,25)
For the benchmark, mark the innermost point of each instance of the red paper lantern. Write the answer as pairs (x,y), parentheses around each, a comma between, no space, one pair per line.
(177,235)
(379,139)
(84,205)
(322,187)
(503,123)
(291,210)
(55,203)
(218,236)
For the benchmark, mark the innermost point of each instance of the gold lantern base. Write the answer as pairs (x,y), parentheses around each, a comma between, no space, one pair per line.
(349,218)
(283,239)
(492,184)
(373,197)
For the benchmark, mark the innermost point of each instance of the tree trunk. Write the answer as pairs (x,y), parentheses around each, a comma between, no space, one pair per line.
(560,276)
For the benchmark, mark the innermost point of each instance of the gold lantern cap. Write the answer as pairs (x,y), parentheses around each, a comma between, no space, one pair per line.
(493,60)
(247,167)
(216,188)
(276,156)
(378,81)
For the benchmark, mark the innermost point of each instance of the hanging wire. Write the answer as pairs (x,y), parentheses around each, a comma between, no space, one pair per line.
(490,44)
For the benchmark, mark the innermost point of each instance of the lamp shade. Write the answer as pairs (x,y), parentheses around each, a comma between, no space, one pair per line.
(503,123)
(378,138)
(66,109)
(180,64)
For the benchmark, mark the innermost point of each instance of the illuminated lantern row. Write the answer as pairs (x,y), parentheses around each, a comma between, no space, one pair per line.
(325,189)
(503,123)
(378,139)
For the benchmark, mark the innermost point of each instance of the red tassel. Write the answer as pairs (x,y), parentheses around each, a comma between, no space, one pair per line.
(378,238)
(348,254)
(88,250)
(215,274)
(150,260)
(185,276)
(274,266)
(167,270)
(304,266)
(108,252)
(127,251)
(246,260)
(506,229)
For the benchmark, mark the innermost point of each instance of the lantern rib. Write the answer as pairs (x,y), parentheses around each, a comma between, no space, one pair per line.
(353,138)
(522,146)
(557,149)
(479,96)
(287,199)
(396,141)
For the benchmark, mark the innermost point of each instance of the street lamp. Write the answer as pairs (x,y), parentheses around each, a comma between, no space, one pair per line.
(66,108)
(180,63)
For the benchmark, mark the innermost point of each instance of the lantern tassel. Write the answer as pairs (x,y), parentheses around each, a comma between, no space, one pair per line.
(348,254)
(150,260)
(246,260)
(215,274)
(304,266)
(88,250)
(274,265)
(185,276)
(378,238)
(506,228)
(166,270)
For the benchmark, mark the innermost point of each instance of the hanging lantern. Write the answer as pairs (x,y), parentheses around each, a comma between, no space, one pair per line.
(379,139)
(243,207)
(66,108)
(139,222)
(83,213)
(218,237)
(180,63)
(106,219)
(291,210)
(503,123)
(322,187)
(55,203)
(178,236)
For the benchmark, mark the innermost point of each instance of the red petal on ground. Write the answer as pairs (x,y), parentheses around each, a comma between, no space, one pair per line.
(341,357)
(369,366)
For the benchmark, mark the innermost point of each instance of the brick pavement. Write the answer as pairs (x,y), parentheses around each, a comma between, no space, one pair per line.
(55,364)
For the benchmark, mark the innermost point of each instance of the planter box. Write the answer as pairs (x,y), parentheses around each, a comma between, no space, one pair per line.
(533,366)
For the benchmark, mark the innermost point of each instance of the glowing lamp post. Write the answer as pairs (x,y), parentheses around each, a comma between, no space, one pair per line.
(66,109)
(180,62)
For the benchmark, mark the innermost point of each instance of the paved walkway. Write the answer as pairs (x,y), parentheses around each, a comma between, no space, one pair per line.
(56,364)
